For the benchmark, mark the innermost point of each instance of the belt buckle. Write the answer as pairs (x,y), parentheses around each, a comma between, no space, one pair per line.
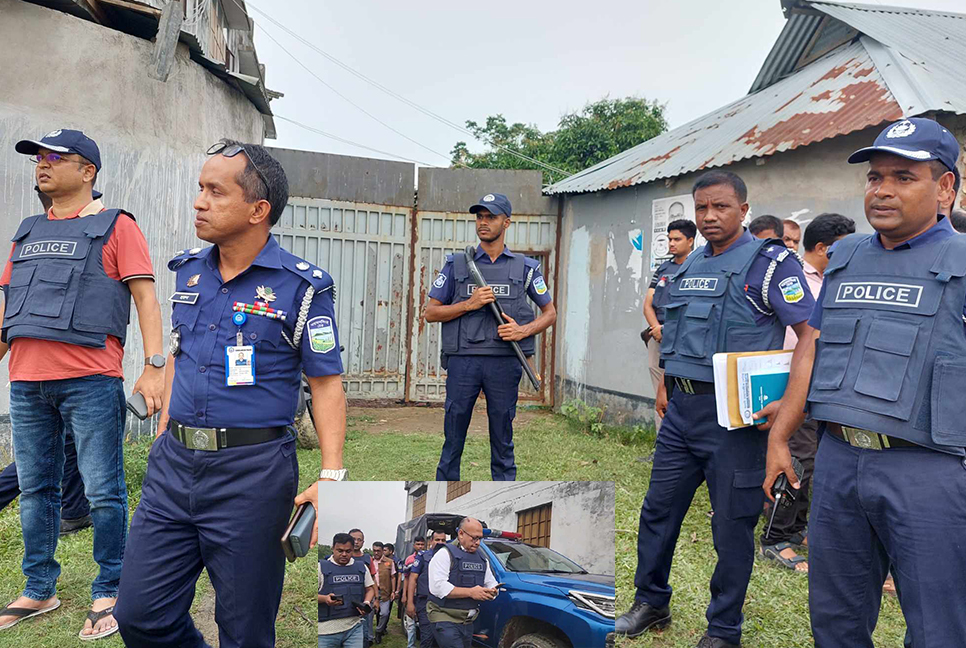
(864,439)
(201,439)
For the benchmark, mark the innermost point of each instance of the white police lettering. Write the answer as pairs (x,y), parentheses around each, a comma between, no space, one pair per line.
(702,284)
(904,128)
(499,290)
(876,292)
(48,248)
(346,578)
(472,566)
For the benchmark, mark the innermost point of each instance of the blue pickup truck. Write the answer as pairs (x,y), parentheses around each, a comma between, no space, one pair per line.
(546,601)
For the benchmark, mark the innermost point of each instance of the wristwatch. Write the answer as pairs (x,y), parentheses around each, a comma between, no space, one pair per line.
(342,474)
(156,361)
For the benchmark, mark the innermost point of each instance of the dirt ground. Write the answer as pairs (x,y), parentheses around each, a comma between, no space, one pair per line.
(403,419)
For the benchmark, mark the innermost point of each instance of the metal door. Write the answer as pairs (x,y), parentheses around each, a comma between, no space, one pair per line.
(366,249)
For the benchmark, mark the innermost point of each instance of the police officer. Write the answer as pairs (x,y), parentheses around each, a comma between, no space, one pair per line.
(222,475)
(344,582)
(475,350)
(418,589)
(886,380)
(359,539)
(680,243)
(459,578)
(738,293)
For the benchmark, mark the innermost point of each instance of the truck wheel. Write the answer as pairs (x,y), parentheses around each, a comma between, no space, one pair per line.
(536,640)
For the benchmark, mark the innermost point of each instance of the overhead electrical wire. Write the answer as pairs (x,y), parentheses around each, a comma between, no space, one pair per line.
(393,94)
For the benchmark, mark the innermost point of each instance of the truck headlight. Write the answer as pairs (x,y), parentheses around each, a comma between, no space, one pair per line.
(599,603)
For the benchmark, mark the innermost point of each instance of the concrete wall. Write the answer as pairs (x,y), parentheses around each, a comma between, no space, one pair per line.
(600,356)
(62,72)
(455,190)
(582,517)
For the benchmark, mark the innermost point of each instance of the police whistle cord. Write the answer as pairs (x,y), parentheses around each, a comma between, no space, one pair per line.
(497,312)
(783,492)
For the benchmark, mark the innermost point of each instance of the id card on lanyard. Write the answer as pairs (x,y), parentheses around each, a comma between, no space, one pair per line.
(239,359)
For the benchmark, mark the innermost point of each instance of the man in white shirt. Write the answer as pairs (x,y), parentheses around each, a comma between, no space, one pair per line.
(459,578)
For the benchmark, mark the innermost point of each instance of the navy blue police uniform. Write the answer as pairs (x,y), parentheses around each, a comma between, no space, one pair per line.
(221,480)
(739,300)
(887,385)
(466,569)
(420,567)
(345,581)
(661,283)
(477,359)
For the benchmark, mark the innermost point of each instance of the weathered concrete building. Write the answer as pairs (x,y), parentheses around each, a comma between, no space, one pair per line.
(575,519)
(836,74)
(94,66)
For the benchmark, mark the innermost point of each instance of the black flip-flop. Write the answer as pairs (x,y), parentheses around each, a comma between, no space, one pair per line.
(23,614)
(94,617)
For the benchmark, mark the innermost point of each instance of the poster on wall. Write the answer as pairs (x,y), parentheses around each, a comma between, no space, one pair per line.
(663,211)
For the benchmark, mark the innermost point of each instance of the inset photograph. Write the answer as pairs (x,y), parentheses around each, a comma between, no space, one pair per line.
(460,564)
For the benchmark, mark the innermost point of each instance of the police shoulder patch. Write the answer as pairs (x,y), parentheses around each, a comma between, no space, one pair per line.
(321,334)
(440,280)
(792,290)
(540,286)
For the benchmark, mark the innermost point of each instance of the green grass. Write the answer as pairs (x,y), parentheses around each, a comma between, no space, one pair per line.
(60,628)
(554,447)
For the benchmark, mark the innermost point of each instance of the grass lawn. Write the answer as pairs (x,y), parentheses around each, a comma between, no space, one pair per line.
(295,625)
(550,447)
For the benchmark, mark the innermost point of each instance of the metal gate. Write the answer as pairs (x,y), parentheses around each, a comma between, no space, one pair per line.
(442,233)
(366,249)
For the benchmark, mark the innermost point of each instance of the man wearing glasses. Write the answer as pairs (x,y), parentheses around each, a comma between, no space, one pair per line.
(223,475)
(67,298)
(459,578)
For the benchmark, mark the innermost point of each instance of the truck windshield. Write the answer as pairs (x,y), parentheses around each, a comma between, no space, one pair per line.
(519,557)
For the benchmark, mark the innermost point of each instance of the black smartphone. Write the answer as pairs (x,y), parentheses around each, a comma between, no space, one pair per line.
(137,405)
(298,535)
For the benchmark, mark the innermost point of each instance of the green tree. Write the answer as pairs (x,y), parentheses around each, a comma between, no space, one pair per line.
(582,139)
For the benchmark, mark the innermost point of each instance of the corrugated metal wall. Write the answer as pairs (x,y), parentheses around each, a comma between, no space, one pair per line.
(366,250)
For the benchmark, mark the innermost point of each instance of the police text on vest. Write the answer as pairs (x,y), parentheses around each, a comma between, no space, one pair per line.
(877,292)
(699,283)
(48,248)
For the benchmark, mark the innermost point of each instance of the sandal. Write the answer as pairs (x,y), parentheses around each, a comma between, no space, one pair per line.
(25,613)
(94,617)
(800,539)
(773,552)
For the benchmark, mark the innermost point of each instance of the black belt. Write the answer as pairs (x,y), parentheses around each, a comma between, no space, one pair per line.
(687,385)
(866,439)
(212,439)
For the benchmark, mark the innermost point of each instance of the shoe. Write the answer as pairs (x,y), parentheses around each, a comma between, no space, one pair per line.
(641,618)
(68,527)
(715,642)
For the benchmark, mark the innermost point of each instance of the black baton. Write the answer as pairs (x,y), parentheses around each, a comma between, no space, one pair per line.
(497,311)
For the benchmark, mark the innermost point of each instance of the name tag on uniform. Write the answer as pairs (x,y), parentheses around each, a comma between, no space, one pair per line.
(878,292)
(184,298)
(499,290)
(239,365)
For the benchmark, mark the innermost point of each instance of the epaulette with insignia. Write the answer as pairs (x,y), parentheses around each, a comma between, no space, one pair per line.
(530,262)
(182,257)
(316,276)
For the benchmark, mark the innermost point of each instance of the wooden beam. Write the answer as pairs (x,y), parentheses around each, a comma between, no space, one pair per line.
(94,10)
(133,6)
(166,42)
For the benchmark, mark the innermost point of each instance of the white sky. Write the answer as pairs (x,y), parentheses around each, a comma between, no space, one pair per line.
(530,60)
(375,507)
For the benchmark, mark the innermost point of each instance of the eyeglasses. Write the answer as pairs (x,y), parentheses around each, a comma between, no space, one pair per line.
(54,158)
(231,150)
(470,536)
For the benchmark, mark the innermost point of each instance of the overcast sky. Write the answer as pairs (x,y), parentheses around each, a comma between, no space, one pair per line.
(530,60)
(375,507)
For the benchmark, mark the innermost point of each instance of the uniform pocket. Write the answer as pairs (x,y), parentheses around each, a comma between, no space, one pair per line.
(50,290)
(20,278)
(747,497)
(834,352)
(694,331)
(669,330)
(475,325)
(885,359)
(947,402)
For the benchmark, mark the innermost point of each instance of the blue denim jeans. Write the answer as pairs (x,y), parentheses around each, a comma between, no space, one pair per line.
(72,490)
(351,638)
(92,407)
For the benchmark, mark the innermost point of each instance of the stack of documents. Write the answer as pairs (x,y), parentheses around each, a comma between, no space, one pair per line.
(745,382)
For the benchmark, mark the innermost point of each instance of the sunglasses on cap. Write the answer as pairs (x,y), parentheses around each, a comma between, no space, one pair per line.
(231,150)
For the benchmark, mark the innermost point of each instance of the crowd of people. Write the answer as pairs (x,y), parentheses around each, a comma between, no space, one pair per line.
(873,409)
(438,587)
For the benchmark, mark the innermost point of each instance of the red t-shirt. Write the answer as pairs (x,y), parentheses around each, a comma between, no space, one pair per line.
(125,257)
